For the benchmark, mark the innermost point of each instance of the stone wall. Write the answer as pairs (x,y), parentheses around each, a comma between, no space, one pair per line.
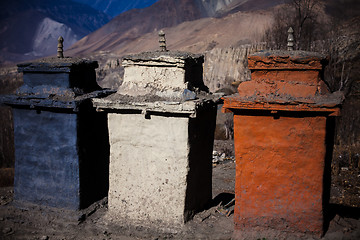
(224,66)
(46,158)
(10,80)
(54,150)
(160,167)
(148,162)
(7,154)
(283,131)
(6,138)
(279,177)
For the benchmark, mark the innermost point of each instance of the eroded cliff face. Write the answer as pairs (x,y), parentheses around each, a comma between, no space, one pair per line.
(225,68)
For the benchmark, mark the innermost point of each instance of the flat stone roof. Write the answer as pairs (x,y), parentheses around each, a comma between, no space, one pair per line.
(325,103)
(155,55)
(68,101)
(292,54)
(151,103)
(56,64)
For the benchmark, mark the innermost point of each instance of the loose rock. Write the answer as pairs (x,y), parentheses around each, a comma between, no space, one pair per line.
(7,230)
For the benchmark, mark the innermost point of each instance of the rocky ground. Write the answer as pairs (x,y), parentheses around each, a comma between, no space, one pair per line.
(34,223)
(214,223)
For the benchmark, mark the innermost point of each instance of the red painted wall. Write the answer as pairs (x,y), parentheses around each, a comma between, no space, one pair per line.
(279,172)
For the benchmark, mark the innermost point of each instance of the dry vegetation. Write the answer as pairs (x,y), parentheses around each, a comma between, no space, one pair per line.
(337,37)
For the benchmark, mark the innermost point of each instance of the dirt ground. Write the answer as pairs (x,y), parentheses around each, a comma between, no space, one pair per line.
(213,223)
(32,223)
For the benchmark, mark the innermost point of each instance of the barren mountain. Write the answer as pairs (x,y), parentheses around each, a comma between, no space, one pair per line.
(188,25)
(220,8)
(135,23)
(115,7)
(30,28)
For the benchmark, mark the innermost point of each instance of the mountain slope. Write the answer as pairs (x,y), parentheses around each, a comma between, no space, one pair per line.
(46,37)
(115,7)
(220,8)
(81,18)
(205,34)
(248,5)
(221,39)
(134,23)
(22,34)
(124,29)
(30,27)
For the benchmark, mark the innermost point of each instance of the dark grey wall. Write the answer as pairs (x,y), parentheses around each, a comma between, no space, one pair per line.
(46,165)
(62,159)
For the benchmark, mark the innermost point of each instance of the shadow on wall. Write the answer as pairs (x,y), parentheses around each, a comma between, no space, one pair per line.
(7,152)
(201,138)
(94,153)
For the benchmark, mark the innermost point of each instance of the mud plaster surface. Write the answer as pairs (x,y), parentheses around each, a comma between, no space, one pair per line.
(162,162)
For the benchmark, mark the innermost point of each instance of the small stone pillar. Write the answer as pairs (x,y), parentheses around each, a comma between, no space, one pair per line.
(281,134)
(161,132)
(61,142)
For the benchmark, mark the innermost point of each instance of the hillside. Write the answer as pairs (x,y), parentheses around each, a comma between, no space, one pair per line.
(115,7)
(221,38)
(217,18)
(30,29)
(135,23)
